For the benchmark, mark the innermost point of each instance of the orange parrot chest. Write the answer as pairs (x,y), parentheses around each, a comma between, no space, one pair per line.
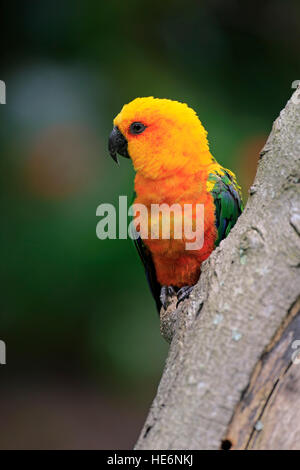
(174,263)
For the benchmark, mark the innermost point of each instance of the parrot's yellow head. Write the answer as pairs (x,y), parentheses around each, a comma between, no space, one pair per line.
(160,136)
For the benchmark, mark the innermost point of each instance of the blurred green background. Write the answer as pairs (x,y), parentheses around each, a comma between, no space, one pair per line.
(84,352)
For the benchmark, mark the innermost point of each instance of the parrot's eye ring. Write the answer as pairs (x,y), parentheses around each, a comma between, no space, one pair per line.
(137,128)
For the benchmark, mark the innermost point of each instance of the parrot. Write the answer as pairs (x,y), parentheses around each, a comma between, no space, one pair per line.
(169,150)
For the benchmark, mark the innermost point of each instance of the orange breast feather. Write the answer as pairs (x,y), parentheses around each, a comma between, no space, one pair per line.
(174,264)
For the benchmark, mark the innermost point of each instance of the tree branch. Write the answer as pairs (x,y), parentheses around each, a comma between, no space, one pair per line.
(229,373)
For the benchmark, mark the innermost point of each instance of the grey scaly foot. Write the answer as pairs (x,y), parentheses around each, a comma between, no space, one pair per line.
(183,293)
(165,293)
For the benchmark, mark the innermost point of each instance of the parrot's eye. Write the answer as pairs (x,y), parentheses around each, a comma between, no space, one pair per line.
(137,128)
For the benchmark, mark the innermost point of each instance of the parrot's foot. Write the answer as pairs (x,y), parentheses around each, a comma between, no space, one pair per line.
(165,293)
(183,293)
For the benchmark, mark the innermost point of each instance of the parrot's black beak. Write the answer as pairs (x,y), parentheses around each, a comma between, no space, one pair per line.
(117,144)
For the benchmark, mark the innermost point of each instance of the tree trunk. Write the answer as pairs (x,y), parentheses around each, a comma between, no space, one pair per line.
(232,378)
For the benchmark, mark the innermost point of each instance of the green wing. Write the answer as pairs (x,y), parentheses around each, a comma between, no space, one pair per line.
(149,267)
(228,201)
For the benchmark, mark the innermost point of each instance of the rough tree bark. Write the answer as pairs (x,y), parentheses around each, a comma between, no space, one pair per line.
(231,378)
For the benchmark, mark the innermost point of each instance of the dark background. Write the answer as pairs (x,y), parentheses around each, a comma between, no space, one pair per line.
(84,352)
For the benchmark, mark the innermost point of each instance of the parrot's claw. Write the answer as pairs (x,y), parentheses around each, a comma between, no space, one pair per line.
(183,293)
(165,293)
